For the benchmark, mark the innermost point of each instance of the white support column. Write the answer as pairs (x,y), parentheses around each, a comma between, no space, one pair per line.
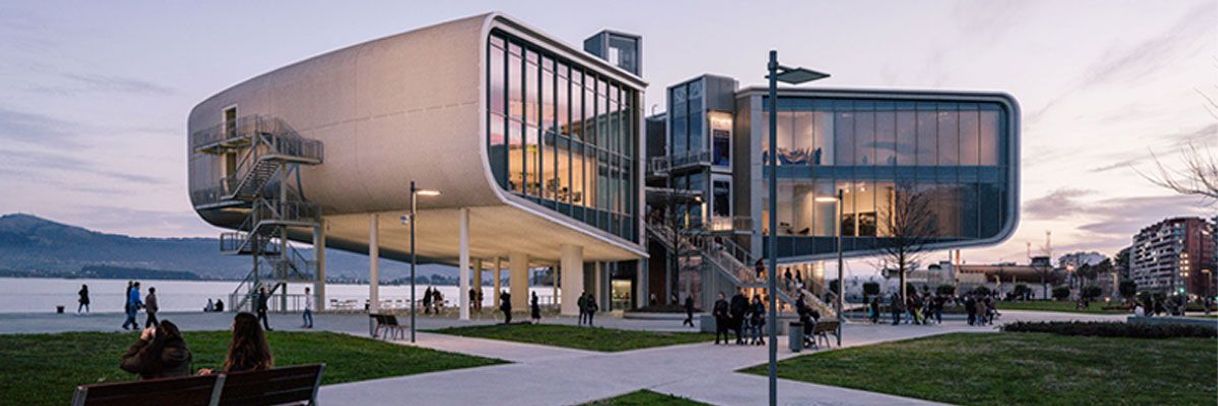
(374,264)
(518,280)
(463,275)
(319,256)
(554,283)
(571,266)
(497,275)
(598,290)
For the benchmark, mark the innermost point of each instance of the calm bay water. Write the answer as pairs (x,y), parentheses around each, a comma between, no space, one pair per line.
(38,295)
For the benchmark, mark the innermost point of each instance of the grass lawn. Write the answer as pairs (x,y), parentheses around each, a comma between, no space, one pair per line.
(1055,306)
(644,398)
(584,338)
(44,369)
(1021,368)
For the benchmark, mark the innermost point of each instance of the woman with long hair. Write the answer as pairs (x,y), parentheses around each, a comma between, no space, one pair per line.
(160,353)
(248,351)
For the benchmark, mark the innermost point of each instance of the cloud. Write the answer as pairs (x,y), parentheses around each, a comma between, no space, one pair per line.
(1123,217)
(1057,204)
(1153,53)
(33,165)
(85,83)
(34,128)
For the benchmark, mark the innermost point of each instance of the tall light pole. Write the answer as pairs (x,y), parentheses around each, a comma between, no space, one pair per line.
(415,192)
(792,76)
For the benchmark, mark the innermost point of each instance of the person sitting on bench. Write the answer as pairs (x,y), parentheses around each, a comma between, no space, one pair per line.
(160,353)
(248,351)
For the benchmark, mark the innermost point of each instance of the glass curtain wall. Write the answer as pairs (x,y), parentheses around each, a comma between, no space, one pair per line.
(562,135)
(952,154)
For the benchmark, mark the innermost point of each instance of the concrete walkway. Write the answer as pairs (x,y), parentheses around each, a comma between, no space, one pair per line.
(544,375)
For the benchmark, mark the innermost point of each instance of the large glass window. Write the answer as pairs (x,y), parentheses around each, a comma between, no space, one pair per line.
(885,135)
(822,137)
(969,137)
(843,135)
(864,134)
(949,135)
(989,139)
(560,135)
(679,130)
(907,141)
(928,128)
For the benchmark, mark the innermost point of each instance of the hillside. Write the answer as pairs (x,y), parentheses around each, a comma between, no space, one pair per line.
(33,245)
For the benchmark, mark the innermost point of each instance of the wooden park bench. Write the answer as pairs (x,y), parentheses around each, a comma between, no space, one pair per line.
(295,385)
(822,329)
(389,323)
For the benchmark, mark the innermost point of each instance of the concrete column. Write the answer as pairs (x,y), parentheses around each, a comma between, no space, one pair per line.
(641,279)
(374,263)
(476,284)
(496,274)
(571,266)
(319,256)
(554,283)
(518,266)
(463,275)
(600,275)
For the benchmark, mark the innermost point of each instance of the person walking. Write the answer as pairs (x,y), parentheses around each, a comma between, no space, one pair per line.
(970,306)
(262,307)
(151,308)
(505,305)
(427,301)
(689,311)
(160,352)
(592,307)
(896,309)
(84,299)
(473,299)
(133,306)
(582,303)
(875,309)
(307,316)
(719,312)
(757,320)
(738,307)
(535,309)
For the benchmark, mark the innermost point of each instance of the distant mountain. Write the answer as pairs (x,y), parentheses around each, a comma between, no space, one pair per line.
(30,245)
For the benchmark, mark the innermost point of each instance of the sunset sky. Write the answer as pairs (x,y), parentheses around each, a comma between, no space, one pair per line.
(94,95)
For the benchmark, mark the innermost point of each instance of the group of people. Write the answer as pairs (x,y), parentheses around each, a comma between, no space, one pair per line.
(214,307)
(162,352)
(927,308)
(737,315)
(433,301)
(475,299)
(134,304)
(587,307)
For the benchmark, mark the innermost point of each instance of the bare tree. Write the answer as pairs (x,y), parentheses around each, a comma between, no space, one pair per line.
(912,225)
(1198,175)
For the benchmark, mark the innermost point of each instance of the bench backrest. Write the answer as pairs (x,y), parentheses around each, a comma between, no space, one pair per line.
(276,386)
(825,326)
(389,320)
(189,391)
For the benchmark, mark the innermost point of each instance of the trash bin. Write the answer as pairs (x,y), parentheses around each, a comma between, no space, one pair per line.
(59,309)
(795,336)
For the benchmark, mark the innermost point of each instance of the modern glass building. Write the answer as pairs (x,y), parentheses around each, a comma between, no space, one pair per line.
(957,151)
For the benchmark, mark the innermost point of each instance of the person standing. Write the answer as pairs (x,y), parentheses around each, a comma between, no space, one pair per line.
(970,306)
(505,305)
(535,309)
(262,300)
(738,307)
(427,301)
(592,307)
(896,310)
(84,298)
(473,299)
(689,311)
(719,312)
(133,306)
(151,308)
(308,310)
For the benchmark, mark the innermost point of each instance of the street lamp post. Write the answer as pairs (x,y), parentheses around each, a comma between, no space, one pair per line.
(411,218)
(793,76)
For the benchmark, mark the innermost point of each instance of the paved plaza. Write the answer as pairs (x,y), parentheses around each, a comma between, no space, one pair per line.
(545,375)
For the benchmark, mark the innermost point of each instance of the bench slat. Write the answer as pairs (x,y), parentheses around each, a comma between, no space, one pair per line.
(195,390)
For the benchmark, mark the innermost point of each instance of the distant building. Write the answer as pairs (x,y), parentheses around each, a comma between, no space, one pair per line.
(1000,277)
(1176,255)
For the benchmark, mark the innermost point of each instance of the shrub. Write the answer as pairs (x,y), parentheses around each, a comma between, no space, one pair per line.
(871,288)
(1112,329)
(1092,292)
(1061,293)
(981,290)
(946,290)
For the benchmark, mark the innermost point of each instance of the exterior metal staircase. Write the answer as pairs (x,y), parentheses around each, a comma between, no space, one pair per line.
(731,261)
(259,187)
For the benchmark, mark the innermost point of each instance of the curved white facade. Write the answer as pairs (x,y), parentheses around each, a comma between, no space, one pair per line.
(407,107)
